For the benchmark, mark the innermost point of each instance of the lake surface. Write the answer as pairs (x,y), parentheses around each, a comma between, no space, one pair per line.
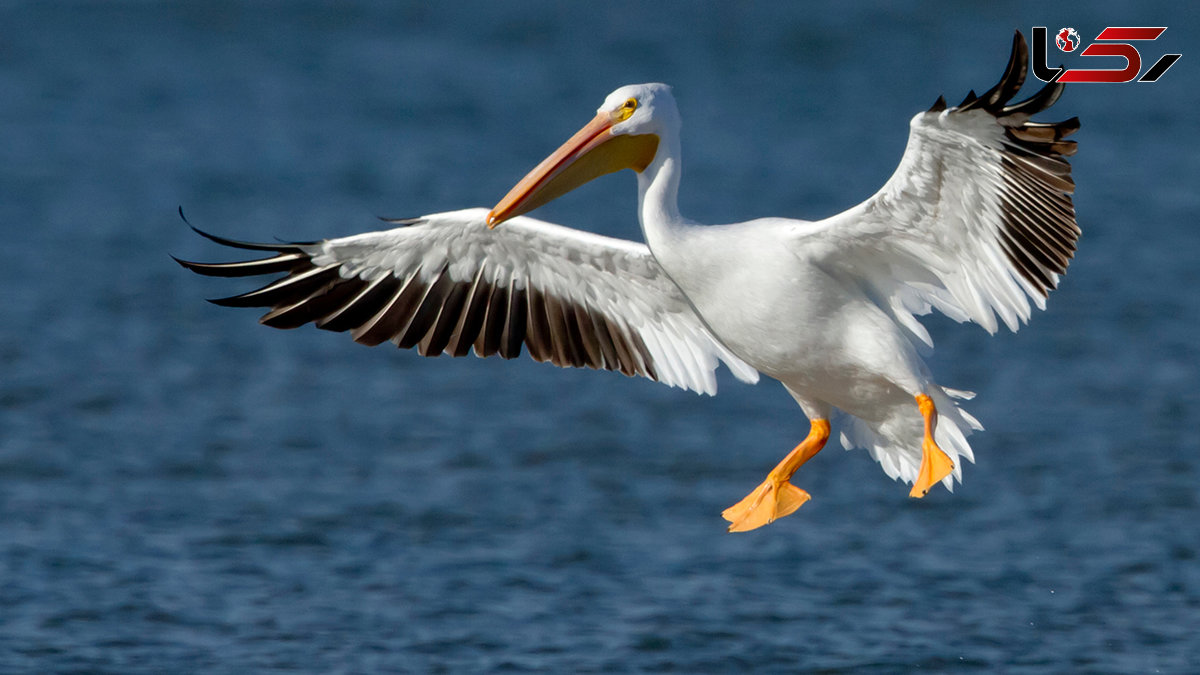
(182,490)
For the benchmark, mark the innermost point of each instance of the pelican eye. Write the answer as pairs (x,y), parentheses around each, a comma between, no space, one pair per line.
(626,110)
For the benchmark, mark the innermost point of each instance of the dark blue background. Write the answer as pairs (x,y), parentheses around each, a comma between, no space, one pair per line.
(183,490)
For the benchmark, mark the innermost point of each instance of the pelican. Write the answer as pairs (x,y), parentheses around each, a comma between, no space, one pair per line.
(976,222)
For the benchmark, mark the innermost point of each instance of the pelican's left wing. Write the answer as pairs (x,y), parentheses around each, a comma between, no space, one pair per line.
(976,221)
(445,283)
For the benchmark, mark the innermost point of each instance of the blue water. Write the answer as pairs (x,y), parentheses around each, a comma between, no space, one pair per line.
(182,490)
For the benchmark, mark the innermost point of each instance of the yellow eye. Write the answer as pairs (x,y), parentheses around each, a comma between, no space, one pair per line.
(626,109)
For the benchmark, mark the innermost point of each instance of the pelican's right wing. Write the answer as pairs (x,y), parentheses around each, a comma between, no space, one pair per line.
(445,283)
(976,222)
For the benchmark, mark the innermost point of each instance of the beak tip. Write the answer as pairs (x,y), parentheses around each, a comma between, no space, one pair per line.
(491,220)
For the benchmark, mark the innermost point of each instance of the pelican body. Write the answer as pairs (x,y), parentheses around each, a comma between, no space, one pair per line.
(977,222)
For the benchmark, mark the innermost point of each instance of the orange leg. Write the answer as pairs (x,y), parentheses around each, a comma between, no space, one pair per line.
(776,497)
(935,464)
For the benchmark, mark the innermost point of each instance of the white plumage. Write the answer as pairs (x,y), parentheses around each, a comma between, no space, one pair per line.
(976,222)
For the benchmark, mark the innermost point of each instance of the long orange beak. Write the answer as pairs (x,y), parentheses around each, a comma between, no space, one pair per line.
(592,152)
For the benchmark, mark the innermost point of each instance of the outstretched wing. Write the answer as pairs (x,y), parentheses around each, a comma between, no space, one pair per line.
(976,221)
(445,283)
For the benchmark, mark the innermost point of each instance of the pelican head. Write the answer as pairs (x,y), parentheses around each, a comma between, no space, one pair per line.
(624,134)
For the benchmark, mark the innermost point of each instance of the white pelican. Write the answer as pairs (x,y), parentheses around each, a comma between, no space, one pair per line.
(976,221)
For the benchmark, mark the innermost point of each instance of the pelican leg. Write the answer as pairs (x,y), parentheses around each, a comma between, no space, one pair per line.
(935,464)
(776,497)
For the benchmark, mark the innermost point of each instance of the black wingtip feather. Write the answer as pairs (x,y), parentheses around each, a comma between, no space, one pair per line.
(284,262)
(1014,75)
(1043,99)
(1008,85)
(282,247)
(246,245)
(401,221)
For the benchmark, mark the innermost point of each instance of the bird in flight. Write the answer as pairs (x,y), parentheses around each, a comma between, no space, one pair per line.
(976,222)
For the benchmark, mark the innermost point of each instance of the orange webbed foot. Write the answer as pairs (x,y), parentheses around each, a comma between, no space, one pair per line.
(775,497)
(935,463)
(770,501)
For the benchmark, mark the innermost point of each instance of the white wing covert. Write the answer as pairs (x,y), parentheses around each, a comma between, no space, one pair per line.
(445,283)
(976,220)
